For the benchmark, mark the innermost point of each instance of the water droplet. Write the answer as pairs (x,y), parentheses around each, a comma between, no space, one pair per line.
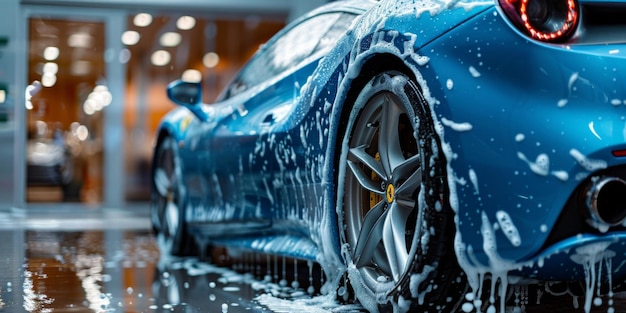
(597,301)
(449,84)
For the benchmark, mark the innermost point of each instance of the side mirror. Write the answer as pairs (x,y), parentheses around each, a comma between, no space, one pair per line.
(189,95)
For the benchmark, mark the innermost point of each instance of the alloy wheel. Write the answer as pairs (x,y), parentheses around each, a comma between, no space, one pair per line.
(382,184)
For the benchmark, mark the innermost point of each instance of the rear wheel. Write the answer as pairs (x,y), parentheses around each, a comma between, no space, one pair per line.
(396,225)
(168,201)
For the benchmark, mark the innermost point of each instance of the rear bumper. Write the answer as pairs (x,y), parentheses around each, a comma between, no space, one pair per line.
(573,259)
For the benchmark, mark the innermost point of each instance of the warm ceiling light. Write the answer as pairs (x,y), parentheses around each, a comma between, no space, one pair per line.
(211,59)
(102,95)
(192,76)
(80,40)
(89,107)
(48,80)
(170,39)
(50,68)
(82,132)
(130,37)
(160,58)
(51,53)
(185,22)
(142,20)
(3,95)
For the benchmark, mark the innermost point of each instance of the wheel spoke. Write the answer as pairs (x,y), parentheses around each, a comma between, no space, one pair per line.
(394,239)
(407,167)
(171,216)
(407,188)
(363,180)
(368,160)
(162,182)
(157,212)
(370,235)
(406,203)
(380,260)
(389,141)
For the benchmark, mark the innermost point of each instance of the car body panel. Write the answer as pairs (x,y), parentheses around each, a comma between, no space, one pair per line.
(566,117)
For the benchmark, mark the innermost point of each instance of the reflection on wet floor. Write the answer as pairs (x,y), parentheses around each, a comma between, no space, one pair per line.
(123,271)
(73,272)
(116,267)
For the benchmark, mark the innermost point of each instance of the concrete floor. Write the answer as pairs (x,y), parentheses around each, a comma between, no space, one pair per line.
(81,260)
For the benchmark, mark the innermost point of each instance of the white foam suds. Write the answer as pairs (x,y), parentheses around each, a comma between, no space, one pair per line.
(572,80)
(587,163)
(475,73)
(460,127)
(420,59)
(508,228)
(474,179)
(592,257)
(541,166)
(561,175)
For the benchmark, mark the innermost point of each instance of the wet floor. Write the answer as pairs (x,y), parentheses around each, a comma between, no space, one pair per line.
(108,261)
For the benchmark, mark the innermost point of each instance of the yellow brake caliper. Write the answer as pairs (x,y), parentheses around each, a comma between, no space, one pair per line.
(375,198)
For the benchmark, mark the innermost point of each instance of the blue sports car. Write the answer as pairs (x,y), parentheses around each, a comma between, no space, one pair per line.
(416,148)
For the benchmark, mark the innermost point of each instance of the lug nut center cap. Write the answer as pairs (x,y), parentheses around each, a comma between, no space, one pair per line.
(390,193)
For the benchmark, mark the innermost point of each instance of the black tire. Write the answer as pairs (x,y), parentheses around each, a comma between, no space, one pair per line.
(397,229)
(168,201)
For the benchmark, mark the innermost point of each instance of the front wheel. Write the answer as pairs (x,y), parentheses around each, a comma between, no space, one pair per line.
(168,201)
(397,228)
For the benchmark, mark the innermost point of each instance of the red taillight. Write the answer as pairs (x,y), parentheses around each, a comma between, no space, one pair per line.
(545,20)
(619,153)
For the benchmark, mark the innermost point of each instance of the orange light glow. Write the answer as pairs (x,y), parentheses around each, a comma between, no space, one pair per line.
(570,21)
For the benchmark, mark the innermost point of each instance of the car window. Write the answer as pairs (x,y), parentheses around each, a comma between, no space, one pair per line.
(332,35)
(316,35)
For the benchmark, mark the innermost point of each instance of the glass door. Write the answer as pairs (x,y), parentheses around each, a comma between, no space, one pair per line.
(73,102)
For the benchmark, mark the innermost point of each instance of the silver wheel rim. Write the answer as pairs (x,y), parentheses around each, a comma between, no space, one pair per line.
(166,214)
(383,178)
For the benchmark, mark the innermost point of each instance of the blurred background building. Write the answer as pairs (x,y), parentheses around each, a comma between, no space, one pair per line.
(82,87)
